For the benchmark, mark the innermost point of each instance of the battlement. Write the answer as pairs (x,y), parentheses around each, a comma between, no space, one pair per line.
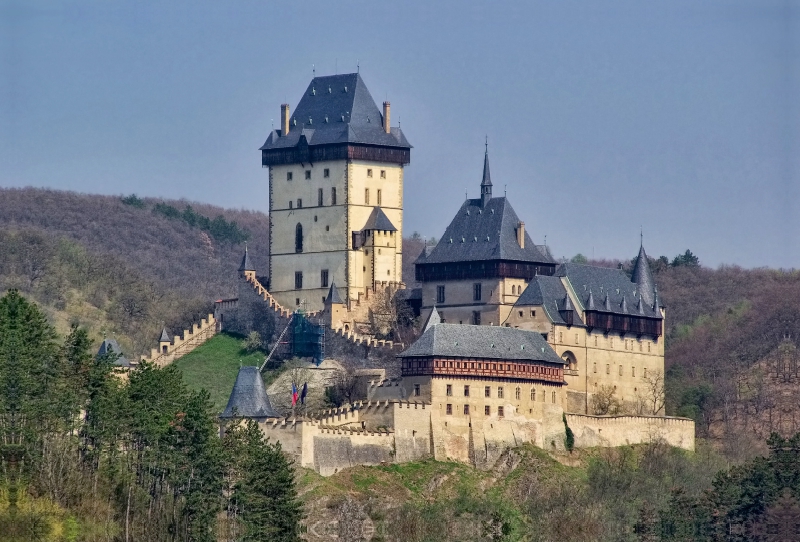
(180,345)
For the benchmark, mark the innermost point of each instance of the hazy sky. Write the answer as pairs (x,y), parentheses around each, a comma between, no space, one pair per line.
(681,117)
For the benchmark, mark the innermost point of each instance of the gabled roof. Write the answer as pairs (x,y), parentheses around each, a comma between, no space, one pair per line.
(246,265)
(249,397)
(333,295)
(378,221)
(643,277)
(336,109)
(486,342)
(549,293)
(611,285)
(481,233)
(110,346)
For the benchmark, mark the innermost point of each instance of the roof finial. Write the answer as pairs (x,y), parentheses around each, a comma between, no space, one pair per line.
(505,190)
(358,66)
(314,70)
(641,236)
(487,143)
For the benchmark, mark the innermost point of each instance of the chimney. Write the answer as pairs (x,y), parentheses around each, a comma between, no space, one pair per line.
(521,235)
(284,120)
(386,114)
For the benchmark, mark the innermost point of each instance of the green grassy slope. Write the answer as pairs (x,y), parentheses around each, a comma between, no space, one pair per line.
(214,365)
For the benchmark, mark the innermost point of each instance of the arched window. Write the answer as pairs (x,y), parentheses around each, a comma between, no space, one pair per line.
(298,238)
(570,361)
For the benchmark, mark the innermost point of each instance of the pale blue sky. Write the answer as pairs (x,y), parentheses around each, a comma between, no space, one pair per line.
(678,116)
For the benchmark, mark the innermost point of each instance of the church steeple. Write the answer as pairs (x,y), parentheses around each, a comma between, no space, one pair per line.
(486,183)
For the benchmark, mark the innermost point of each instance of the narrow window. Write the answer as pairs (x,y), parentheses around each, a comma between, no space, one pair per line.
(326,173)
(466,410)
(379,196)
(554,397)
(500,392)
(298,238)
(366,196)
(383,174)
(308,174)
(648,347)
(487,410)
(369,173)
(323,278)
(533,313)
(620,370)
(476,292)
(298,280)
(633,372)
(533,394)
(595,341)
(576,338)
(476,318)
(290,205)
(440,294)
(466,391)
(517,394)
(594,367)
(608,369)
(416,390)
(449,390)
(288,175)
(644,372)
(499,412)
(299,203)
(560,337)
(487,391)
(319,197)
(449,409)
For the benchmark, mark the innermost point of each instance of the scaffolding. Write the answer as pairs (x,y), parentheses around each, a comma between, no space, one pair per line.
(308,337)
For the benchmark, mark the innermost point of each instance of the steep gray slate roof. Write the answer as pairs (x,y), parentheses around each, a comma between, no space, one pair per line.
(164,336)
(550,294)
(246,265)
(602,282)
(487,342)
(434,319)
(352,116)
(479,233)
(643,276)
(378,221)
(333,295)
(249,397)
(111,346)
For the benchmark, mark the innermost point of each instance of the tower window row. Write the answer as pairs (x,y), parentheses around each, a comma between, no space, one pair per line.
(321,199)
(325,173)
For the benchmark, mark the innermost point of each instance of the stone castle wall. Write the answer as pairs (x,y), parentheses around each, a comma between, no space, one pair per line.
(184,343)
(609,431)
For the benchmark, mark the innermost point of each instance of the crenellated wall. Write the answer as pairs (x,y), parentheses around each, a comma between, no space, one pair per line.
(184,343)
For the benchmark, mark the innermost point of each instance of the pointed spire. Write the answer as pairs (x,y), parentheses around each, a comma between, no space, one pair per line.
(568,303)
(657,304)
(164,336)
(590,302)
(333,296)
(246,265)
(643,277)
(486,182)
(607,303)
(640,306)
(433,319)
(624,305)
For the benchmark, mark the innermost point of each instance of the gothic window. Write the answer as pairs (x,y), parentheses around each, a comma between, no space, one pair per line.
(298,280)
(333,196)
(298,238)
(379,197)
(366,195)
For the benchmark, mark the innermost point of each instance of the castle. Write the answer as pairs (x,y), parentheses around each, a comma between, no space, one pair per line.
(516,348)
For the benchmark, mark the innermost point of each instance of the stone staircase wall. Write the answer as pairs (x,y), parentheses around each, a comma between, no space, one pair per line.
(184,343)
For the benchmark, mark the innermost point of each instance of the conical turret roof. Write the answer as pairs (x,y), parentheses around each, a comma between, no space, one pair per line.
(246,265)
(590,302)
(248,398)
(164,336)
(333,295)
(643,277)
(568,303)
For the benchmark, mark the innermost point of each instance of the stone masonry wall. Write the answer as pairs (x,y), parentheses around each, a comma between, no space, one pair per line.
(608,431)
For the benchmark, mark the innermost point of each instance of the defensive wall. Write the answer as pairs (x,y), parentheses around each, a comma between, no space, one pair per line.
(609,431)
(180,345)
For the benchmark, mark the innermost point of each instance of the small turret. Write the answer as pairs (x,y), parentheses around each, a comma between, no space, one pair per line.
(164,342)
(590,302)
(247,269)
(486,182)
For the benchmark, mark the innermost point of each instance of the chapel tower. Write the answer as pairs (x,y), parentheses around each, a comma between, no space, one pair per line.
(335,195)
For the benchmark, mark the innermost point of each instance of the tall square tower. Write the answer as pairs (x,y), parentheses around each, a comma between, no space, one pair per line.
(335,195)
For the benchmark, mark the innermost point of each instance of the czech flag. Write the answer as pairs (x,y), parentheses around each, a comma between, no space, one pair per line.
(304,393)
(294,394)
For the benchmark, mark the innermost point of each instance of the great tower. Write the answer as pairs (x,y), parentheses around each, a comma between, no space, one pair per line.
(335,195)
